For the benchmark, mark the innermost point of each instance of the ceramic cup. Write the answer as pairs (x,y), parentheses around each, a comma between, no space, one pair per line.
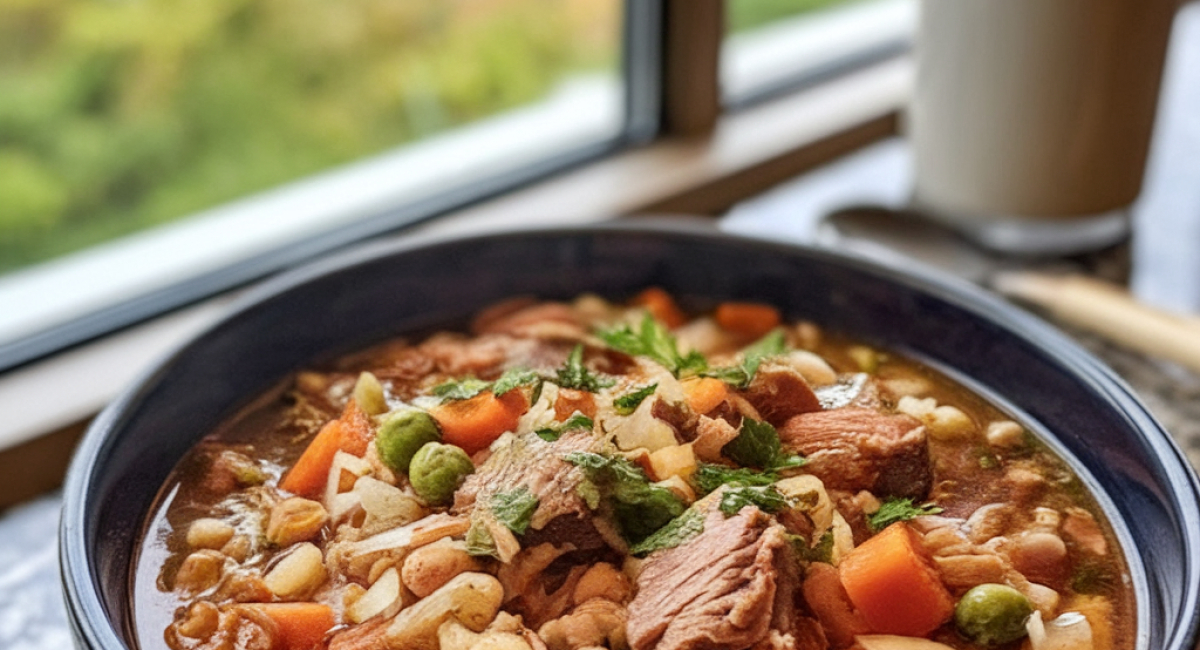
(1031,119)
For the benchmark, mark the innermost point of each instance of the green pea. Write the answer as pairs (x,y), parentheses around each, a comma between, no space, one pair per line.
(437,470)
(991,614)
(402,434)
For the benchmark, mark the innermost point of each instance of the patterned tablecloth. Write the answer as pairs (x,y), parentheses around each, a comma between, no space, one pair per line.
(1165,269)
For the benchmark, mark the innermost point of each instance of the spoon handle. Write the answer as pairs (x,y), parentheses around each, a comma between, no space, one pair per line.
(1109,311)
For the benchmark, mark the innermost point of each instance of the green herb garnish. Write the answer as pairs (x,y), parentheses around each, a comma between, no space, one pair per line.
(480,542)
(676,532)
(822,551)
(653,340)
(757,445)
(766,497)
(460,389)
(640,507)
(577,421)
(628,403)
(576,375)
(515,509)
(740,376)
(515,378)
(893,510)
(709,477)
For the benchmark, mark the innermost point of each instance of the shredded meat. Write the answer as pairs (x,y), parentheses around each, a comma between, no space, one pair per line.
(860,449)
(716,591)
(537,320)
(536,465)
(484,356)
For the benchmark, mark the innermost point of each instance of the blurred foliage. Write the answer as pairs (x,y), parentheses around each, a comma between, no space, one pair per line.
(744,15)
(116,115)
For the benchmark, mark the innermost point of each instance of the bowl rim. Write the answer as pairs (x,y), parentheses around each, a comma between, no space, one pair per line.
(86,611)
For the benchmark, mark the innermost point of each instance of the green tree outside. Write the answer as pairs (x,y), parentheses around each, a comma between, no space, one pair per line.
(118,115)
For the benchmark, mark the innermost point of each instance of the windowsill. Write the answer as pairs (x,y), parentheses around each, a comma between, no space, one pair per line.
(749,151)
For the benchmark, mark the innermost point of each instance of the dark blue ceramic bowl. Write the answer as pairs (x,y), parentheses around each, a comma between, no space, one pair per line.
(384,290)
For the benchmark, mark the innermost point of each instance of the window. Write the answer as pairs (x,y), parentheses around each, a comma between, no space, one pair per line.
(155,151)
(775,46)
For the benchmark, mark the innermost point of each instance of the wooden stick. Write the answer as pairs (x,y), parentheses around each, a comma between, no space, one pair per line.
(1110,311)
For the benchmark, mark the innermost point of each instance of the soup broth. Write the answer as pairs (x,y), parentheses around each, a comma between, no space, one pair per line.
(601,475)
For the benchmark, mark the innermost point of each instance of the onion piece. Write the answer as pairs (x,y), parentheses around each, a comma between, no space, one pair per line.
(1070,631)
(382,596)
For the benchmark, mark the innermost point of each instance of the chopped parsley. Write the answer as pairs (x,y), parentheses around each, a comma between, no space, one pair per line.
(709,477)
(822,551)
(740,376)
(676,532)
(766,497)
(893,510)
(515,509)
(757,445)
(459,389)
(480,542)
(653,340)
(628,403)
(639,506)
(515,378)
(575,375)
(577,421)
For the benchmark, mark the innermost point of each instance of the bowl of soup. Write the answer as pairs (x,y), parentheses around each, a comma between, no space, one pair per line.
(628,436)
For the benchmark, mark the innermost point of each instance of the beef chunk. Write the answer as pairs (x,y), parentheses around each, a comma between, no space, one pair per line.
(523,318)
(718,590)
(538,466)
(679,416)
(862,449)
(779,392)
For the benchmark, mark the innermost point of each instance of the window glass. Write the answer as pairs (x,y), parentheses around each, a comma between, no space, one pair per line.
(154,152)
(118,115)
(775,45)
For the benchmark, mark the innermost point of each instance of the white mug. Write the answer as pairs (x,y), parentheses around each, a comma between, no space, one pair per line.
(1031,119)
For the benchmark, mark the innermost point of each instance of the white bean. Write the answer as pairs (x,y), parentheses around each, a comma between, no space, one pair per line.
(298,574)
(209,533)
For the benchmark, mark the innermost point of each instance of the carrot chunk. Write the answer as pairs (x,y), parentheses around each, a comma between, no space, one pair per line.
(307,477)
(750,319)
(893,585)
(357,430)
(350,433)
(570,400)
(661,306)
(301,626)
(474,423)
(704,394)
